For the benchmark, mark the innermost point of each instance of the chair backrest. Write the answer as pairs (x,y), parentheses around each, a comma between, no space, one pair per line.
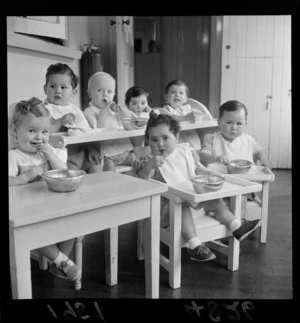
(199,106)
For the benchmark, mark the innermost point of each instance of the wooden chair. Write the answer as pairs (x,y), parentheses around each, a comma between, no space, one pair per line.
(257,209)
(208,229)
(196,105)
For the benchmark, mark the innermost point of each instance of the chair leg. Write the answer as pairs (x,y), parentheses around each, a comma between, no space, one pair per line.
(111,255)
(140,243)
(78,259)
(175,245)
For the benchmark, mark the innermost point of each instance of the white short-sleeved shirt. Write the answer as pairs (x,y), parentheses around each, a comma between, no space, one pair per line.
(108,147)
(242,147)
(20,162)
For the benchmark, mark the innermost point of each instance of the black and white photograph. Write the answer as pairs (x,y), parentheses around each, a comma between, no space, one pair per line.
(150,158)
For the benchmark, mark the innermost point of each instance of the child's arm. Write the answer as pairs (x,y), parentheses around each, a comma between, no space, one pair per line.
(207,158)
(91,117)
(146,171)
(92,152)
(25,178)
(263,158)
(54,161)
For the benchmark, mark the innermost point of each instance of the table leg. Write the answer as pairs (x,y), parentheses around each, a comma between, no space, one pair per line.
(151,244)
(111,255)
(20,271)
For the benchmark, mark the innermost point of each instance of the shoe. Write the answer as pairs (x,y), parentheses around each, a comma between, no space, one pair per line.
(201,253)
(56,271)
(245,229)
(70,269)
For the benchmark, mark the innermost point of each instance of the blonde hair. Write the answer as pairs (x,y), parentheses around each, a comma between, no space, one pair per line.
(99,75)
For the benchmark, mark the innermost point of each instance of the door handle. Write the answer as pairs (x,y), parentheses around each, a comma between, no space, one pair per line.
(268,104)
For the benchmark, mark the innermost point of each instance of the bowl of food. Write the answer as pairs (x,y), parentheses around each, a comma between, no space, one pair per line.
(207,183)
(134,123)
(63,180)
(239,166)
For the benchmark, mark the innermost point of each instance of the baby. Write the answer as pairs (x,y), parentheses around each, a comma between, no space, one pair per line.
(176,95)
(31,126)
(175,164)
(136,99)
(103,112)
(230,142)
(61,86)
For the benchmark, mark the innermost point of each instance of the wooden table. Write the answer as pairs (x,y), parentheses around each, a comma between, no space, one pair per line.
(62,139)
(40,217)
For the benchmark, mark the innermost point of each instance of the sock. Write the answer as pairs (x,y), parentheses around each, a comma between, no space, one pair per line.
(234,225)
(194,242)
(60,257)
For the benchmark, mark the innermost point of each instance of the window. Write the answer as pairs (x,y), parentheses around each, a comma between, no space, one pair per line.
(46,26)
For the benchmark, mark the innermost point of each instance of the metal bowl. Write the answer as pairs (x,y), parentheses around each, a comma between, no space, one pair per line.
(239,166)
(64,180)
(207,183)
(134,123)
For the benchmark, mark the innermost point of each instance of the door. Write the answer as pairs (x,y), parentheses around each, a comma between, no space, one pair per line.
(147,57)
(256,70)
(122,49)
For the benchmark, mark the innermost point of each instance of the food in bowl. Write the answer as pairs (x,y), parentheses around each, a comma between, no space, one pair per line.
(239,166)
(63,180)
(134,123)
(207,183)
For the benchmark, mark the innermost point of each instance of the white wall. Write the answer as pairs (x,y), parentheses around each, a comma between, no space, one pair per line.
(26,72)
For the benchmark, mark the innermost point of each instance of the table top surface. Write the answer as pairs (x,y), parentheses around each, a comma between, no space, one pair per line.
(61,139)
(233,186)
(34,202)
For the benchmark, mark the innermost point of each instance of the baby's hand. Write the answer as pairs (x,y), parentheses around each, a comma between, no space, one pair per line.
(156,161)
(34,173)
(190,117)
(45,149)
(116,107)
(67,118)
(222,160)
(266,163)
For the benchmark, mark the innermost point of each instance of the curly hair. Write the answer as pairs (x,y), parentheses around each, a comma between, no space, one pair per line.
(134,92)
(162,119)
(232,105)
(60,68)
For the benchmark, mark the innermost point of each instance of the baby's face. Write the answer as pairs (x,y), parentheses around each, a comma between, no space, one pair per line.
(232,124)
(176,96)
(162,141)
(138,104)
(59,89)
(32,131)
(102,91)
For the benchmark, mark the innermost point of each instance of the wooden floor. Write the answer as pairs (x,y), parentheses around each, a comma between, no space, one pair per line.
(265,270)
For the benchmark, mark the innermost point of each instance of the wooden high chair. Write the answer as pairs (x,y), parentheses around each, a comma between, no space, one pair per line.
(208,228)
(196,105)
(257,209)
